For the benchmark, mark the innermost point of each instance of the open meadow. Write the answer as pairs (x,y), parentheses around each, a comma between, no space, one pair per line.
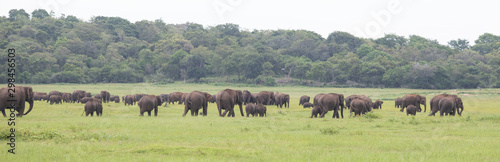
(60,133)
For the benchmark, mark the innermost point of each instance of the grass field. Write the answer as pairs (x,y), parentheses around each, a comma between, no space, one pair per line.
(59,133)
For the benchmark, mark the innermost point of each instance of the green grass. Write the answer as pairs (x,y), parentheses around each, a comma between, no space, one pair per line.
(59,133)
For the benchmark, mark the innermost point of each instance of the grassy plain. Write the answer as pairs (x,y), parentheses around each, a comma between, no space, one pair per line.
(59,133)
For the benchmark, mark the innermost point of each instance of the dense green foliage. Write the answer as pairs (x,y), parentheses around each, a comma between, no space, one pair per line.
(59,133)
(66,49)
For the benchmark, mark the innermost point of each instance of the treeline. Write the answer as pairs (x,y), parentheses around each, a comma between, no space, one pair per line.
(65,49)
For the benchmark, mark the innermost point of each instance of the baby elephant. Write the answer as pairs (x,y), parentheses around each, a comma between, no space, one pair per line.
(307,105)
(316,110)
(411,110)
(93,106)
(261,110)
(251,109)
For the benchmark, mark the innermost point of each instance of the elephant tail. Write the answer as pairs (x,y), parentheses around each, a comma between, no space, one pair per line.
(82,112)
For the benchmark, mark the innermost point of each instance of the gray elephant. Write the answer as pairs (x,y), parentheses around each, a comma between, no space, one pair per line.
(413,99)
(282,99)
(196,100)
(105,96)
(251,109)
(116,99)
(450,105)
(22,94)
(226,99)
(261,110)
(77,95)
(304,99)
(307,104)
(378,104)
(397,102)
(94,105)
(328,102)
(248,97)
(148,103)
(86,99)
(411,110)
(316,110)
(55,99)
(359,106)
(265,97)
(434,103)
(129,99)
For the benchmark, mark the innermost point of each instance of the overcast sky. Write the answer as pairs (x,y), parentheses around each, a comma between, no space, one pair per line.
(443,20)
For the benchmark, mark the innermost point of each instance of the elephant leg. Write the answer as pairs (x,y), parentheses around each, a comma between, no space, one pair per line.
(149,113)
(3,113)
(224,113)
(156,111)
(192,112)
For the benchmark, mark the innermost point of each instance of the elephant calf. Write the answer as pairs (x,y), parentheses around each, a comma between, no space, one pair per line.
(315,111)
(307,104)
(261,110)
(55,99)
(411,110)
(251,109)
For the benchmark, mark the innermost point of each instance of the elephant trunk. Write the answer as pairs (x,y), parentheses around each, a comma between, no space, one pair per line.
(425,106)
(241,109)
(30,101)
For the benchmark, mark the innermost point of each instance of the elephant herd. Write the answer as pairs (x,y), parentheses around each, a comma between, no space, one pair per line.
(227,99)
(446,104)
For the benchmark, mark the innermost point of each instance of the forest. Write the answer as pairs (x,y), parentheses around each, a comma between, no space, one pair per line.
(66,49)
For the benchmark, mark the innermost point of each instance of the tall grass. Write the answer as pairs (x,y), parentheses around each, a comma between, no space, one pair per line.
(59,133)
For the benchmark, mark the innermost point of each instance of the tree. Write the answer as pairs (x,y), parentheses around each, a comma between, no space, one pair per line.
(459,44)
(317,72)
(39,13)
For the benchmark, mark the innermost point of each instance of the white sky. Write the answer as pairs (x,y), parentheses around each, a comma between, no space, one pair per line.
(443,20)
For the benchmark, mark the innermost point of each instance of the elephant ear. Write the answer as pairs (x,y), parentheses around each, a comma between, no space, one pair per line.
(29,92)
(208,96)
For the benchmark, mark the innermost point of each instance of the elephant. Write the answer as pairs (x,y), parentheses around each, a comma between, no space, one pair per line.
(149,103)
(66,97)
(315,111)
(261,110)
(378,104)
(116,99)
(55,93)
(196,100)
(183,97)
(434,103)
(77,95)
(411,110)
(22,94)
(352,97)
(226,99)
(98,96)
(93,106)
(265,97)
(330,101)
(251,109)
(359,106)
(397,102)
(139,96)
(248,97)
(105,96)
(55,99)
(281,99)
(307,104)
(450,104)
(39,96)
(174,97)
(86,99)
(413,99)
(304,99)
(164,98)
(129,99)
(212,100)
(87,94)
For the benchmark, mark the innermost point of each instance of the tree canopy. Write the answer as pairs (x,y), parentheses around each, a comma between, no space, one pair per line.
(66,49)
